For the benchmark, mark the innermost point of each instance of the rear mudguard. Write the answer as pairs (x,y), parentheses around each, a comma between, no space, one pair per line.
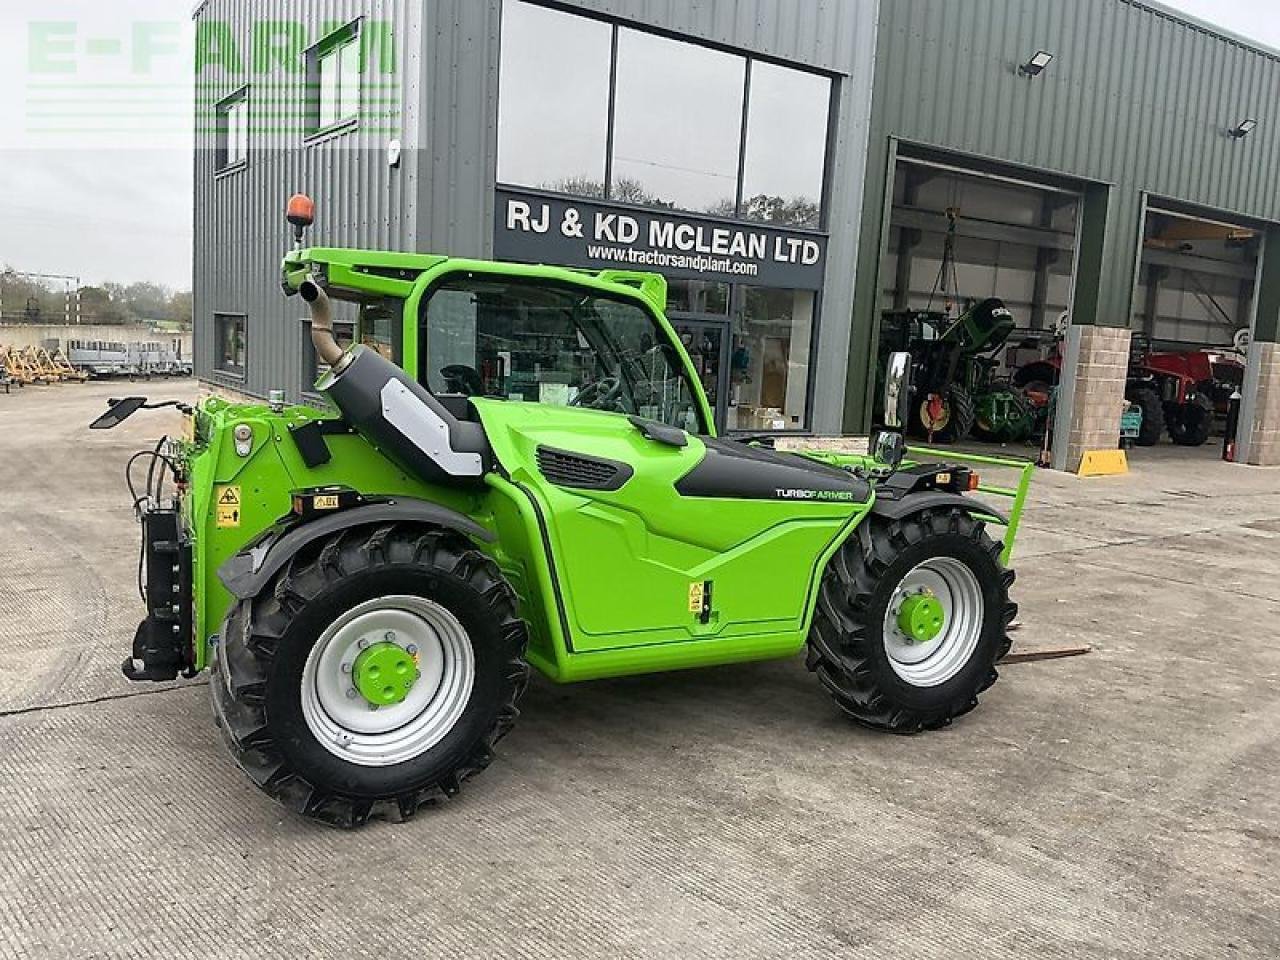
(246,573)
(913,503)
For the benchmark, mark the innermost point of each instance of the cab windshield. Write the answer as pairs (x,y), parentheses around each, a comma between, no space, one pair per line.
(539,342)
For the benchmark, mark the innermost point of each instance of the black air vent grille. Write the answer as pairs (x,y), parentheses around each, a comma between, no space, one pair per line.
(566,469)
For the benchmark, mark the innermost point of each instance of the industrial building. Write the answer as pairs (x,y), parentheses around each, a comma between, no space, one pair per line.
(795,168)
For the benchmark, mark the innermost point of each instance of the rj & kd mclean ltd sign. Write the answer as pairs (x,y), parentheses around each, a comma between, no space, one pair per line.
(542,228)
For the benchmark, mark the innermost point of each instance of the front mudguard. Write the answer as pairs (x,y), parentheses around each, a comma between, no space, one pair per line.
(913,503)
(245,574)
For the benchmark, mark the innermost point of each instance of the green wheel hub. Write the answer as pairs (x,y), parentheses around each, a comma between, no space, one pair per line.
(922,617)
(384,673)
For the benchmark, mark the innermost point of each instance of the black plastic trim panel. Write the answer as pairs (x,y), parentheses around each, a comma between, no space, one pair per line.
(737,471)
(925,500)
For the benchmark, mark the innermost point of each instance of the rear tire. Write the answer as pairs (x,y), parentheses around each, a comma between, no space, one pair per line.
(1192,423)
(1148,401)
(305,739)
(876,676)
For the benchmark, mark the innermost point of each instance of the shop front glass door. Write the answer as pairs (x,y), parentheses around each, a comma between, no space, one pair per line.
(706,342)
(769,360)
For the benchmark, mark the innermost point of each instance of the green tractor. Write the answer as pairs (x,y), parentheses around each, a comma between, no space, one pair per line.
(522,471)
(957,393)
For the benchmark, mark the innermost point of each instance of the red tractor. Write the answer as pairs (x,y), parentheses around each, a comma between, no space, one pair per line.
(1177,391)
(1181,391)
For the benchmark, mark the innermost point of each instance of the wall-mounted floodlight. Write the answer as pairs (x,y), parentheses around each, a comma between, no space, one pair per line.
(1035,66)
(1242,128)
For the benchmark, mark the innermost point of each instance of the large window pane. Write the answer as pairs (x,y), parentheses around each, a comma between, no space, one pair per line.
(769,365)
(697,296)
(678,124)
(553,100)
(786,145)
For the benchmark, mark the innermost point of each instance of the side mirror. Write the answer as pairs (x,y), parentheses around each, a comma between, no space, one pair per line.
(897,391)
(889,447)
(118,411)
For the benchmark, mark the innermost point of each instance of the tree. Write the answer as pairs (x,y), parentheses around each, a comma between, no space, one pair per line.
(180,308)
(97,306)
(625,190)
(792,212)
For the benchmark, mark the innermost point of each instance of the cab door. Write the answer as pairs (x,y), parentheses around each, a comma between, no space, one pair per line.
(656,534)
(656,542)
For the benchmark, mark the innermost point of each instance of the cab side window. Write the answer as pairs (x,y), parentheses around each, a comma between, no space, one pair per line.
(535,341)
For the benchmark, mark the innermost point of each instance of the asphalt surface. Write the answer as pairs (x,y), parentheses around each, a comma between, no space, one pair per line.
(1122,804)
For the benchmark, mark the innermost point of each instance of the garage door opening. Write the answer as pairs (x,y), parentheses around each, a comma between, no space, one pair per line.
(976,282)
(1192,311)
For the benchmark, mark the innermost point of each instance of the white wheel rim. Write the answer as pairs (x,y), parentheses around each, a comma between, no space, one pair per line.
(933,662)
(347,725)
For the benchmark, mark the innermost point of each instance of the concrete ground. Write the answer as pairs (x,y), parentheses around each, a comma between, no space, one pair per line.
(1123,804)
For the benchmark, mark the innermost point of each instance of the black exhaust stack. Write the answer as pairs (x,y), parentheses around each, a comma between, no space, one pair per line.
(392,410)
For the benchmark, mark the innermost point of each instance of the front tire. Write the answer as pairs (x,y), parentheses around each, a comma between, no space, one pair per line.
(422,623)
(878,671)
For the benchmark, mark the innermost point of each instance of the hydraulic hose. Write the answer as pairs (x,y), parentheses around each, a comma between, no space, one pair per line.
(326,346)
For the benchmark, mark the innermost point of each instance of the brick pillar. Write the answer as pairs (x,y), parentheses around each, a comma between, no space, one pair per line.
(1091,397)
(1263,426)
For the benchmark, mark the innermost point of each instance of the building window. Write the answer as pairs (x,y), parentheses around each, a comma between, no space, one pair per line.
(698,297)
(786,146)
(553,110)
(769,362)
(229,343)
(672,147)
(333,69)
(678,111)
(233,130)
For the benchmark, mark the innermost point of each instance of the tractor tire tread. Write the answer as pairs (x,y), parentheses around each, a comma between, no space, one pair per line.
(1193,430)
(254,628)
(964,414)
(1149,402)
(842,639)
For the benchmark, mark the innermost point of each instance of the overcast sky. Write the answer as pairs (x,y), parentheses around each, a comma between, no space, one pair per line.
(95,160)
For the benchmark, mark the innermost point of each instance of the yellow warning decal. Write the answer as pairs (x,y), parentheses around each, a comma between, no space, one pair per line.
(325,502)
(228,506)
(695,597)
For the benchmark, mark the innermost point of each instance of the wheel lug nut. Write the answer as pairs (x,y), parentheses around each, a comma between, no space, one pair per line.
(351,694)
(390,636)
(346,668)
(364,643)
(373,706)
(411,649)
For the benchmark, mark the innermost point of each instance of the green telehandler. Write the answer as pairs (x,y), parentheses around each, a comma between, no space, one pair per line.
(522,471)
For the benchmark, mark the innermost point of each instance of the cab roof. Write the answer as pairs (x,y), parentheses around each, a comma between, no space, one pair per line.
(390,273)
